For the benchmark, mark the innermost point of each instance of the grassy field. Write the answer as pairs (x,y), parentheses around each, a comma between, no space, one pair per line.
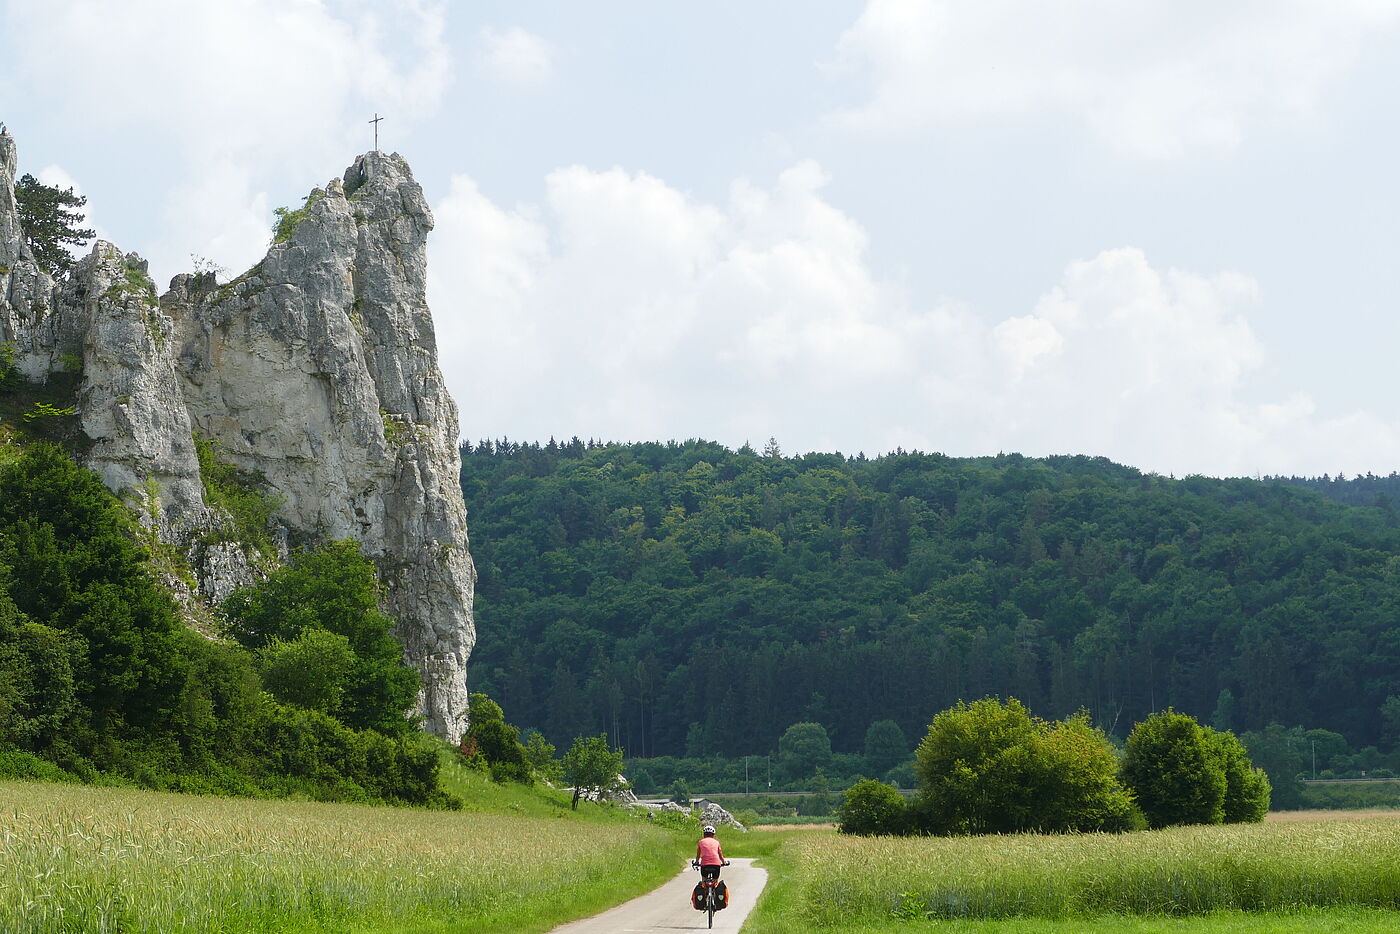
(82,859)
(1323,874)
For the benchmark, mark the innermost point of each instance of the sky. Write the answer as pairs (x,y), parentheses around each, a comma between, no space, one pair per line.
(1162,231)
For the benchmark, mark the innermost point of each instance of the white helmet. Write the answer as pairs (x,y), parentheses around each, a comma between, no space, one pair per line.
(709,829)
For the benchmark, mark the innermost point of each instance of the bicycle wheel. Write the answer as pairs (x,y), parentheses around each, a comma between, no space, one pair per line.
(710,904)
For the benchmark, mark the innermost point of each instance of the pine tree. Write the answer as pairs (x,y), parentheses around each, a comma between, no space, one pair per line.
(49,220)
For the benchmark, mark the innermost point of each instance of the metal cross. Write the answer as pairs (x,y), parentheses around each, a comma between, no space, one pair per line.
(375,121)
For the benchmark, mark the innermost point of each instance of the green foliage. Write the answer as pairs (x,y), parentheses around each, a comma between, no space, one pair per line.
(482,709)
(1247,790)
(37,692)
(680,792)
(872,808)
(803,749)
(100,682)
(137,284)
(49,219)
(885,746)
(496,742)
(990,767)
(895,586)
(34,411)
(1283,754)
(539,756)
(592,767)
(395,431)
(1175,770)
(288,220)
(77,569)
(48,410)
(1351,796)
(311,670)
(352,765)
(241,494)
(333,589)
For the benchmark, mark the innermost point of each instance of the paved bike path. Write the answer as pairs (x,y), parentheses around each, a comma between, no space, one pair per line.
(668,908)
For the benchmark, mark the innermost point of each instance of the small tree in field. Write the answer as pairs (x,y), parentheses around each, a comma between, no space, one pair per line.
(1171,765)
(872,808)
(592,767)
(969,771)
(990,767)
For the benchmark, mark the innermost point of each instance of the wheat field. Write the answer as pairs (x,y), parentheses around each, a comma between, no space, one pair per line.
(82,859)
(1270,867)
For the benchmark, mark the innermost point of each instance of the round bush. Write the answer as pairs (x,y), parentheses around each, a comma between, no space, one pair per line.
(872,808)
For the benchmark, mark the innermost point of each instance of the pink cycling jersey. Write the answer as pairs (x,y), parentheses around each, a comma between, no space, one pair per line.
(709,852)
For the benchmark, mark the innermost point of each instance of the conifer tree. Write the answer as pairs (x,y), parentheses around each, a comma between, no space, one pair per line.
(49,218)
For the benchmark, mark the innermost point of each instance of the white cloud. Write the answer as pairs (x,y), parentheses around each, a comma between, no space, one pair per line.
(622,308)
(514,56)
(1156,78)
(245,91)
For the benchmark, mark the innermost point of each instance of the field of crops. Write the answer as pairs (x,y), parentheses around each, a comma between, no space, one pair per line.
(95,860)
(1344,868)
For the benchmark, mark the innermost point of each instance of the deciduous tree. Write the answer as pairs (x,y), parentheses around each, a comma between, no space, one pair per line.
(1171,767)
(593,768)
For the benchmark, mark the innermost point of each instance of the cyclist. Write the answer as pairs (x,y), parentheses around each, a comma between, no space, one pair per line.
(709,854)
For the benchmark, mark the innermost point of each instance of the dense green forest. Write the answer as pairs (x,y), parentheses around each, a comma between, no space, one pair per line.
(692,600)
(1367,490)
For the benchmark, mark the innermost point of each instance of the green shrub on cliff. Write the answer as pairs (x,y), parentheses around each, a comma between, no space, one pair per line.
(101,681)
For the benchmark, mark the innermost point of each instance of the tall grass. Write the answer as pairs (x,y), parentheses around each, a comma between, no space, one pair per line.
(1252,867)
(97,860)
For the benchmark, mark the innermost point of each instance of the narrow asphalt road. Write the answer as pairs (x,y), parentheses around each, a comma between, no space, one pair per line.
(668,908)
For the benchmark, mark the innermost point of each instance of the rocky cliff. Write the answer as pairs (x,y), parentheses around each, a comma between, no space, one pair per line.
(315,371)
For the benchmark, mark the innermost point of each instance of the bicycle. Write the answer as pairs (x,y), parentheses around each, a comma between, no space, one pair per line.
(710,883)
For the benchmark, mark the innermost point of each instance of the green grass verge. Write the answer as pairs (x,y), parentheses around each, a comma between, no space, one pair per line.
(1334,921)
(81,858)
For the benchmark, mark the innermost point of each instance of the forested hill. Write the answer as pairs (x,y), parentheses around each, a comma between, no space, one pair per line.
(690,599)
(1368,490)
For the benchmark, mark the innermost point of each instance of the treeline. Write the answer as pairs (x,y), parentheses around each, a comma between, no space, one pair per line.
(992,767)
(1368,490)
(101,681)
(692,600)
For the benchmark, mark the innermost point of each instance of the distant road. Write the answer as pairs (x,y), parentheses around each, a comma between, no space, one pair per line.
(667,909)
(716,795)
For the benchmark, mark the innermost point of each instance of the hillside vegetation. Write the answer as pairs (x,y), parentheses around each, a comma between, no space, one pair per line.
(694,600)
(101,680)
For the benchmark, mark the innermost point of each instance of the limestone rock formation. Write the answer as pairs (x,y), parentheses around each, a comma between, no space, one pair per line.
(712,814)
(317,370)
